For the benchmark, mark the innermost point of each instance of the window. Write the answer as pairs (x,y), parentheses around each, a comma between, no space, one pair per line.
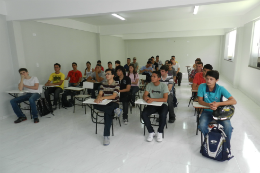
(255,51)
(230,45)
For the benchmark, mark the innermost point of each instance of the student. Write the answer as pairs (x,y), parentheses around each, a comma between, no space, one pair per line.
(159,62)
(196,60)
(97,78)
(108,90)
(147,70)
(74,75)
(88,70)
(110,65)
(57,79)
(154,64)
(134,83)
(135,64)
(210,94)
(198,69)
(171,70)
(125,86)
(99,62)
(176,66)
(200,77)
(168,80)
(31,85)
(158,93)
(117,63)
(128,64)
(166,62)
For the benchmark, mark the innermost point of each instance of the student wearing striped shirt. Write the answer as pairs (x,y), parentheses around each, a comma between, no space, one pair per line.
(168,80)
(108,90)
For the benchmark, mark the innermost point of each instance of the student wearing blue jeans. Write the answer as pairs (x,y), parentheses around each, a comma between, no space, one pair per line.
(158,92)
(211,94)
(31,86)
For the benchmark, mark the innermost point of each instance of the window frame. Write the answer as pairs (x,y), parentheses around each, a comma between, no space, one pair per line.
(227,46)
(254,62)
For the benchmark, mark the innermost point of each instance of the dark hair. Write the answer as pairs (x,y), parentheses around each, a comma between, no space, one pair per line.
(198,59)
(152,57)
(158,73)
(213,73)
(57,64)
(117,62)
(208,66)
(157,56)
(75,63)
(121,68)
(98,65)
(173,56)
(129,58)
(200,63)
(98,61)
(149,62)
(109,62)
(134,72)
(164,67)
(22,69)
(111,70)
(169,62)
(88,63)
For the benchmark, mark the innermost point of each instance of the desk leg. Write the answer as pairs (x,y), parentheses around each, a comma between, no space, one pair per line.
(198,120)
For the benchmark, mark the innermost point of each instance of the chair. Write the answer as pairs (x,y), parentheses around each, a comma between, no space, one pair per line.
(86,85)
(66,85)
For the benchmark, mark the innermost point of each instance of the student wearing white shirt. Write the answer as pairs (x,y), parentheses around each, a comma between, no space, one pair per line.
(159,62)
(30,85)
(177,66)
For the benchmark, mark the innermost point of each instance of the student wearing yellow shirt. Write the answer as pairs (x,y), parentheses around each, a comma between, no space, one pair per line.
(56,86)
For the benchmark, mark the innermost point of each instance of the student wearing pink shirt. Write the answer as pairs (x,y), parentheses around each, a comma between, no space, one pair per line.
(134,82)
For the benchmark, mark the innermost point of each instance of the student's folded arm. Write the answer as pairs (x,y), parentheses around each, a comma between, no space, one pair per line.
(48,83)
(136,81)
(60,83)
(190,79)
(230,101)
(20,85)
(164,99)
(201,102)
(170,87)
(67,78)
(35,87)
(100,79)
(111,97)
(195,86)
(89,79)
(145,96)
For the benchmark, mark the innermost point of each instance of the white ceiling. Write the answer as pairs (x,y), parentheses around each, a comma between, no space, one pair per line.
(179,13)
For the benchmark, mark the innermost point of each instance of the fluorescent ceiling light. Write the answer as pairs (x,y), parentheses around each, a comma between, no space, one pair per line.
(196,9)
(116,15)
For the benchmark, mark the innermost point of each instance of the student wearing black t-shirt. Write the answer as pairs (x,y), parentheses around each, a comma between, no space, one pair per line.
(125,86)
(154,64)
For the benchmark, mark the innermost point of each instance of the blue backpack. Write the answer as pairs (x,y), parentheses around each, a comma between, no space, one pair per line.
(216,145)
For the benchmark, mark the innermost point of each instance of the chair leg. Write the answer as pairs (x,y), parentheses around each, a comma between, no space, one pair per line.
(201,137)
(74,106)
(96,122)
(189,102)
(119,122)
(112,129)
(195,112)
(144,130)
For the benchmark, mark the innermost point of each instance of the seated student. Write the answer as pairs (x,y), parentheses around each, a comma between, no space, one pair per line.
(158,93)
(127,64)
(74,75)
(99,62)
(88,70)
(108,90)
(154,64)
(200,77)
(147,70)
(135,64)
(166,62)
(210,94)
(198,69)
(125,86)
(110,65)
(194,65)
(134,83)
(176,66)
(97,77)
(159,62)
(31,85)
(168,80)
(117,63)
(171,70)
(56,78)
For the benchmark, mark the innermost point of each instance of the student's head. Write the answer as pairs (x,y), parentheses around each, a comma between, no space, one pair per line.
(56,67)
(172,60)
(173,57)
(132,68)
(98,68)
(74,66)
(166,62)
(117,63)
(109,74)
(199,66)
(164,70)
(134,59)
(156,76)
(169,63)
(109,64)
(207,68)
(120,70)
(23,71)
(197,60)
(128,60)
(157,58)
(149,64)
(88,64)
(99,62)
(152,59)
(212,77)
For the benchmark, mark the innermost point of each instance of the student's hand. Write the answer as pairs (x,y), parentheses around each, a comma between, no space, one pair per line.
(214,105)
(93,70)
(75,84)
(22,76)
(149,100)
(98,100)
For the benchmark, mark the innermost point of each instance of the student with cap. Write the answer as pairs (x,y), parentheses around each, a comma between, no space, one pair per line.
(135,64)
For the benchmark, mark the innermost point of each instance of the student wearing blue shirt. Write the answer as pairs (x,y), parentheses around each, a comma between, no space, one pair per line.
(147,70)
(210,94)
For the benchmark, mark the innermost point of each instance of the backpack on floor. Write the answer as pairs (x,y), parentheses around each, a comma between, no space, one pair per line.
(43,107)
(216,145)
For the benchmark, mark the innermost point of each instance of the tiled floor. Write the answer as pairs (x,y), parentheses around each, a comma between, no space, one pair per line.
(67,143)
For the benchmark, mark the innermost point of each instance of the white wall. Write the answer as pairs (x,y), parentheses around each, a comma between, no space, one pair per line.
(7,71)
(207,48)
(55,44)
(111,49)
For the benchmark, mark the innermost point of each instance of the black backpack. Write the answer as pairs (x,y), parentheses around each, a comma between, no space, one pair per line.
(43,107)
(65,101)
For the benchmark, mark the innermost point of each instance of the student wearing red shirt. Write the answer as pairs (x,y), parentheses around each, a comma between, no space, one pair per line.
(200,77)
(74,75)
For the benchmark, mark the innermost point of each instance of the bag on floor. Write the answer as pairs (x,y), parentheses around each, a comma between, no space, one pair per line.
(43,107)
(65,101)
(216,145)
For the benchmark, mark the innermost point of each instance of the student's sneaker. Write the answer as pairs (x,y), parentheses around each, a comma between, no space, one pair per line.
(159,137)
(125,121)
(118,112)
(106,140)
(171,120)
(36,120)
(20,119)
(150,137)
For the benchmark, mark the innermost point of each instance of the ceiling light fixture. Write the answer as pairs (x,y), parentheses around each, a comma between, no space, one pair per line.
(116,15)
(196,9)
